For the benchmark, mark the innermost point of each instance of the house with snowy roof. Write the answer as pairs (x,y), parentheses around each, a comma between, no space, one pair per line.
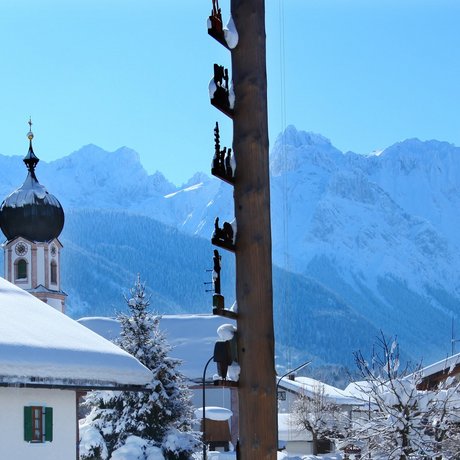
(431,376)
(46,361)
(290,388)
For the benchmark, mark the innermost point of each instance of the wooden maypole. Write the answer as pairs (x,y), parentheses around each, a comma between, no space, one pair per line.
(257,397)
(255,334)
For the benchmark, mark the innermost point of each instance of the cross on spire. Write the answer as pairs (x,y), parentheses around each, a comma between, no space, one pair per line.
(31,159)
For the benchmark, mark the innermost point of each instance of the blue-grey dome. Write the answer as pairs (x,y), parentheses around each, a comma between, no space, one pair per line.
(30,211)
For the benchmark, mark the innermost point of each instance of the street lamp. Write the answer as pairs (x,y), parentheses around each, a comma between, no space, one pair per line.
(277,385)
(223,357)
(204,406)
(290,372)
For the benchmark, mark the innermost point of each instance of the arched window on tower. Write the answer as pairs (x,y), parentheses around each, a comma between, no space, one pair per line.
(53,267)
(21,270)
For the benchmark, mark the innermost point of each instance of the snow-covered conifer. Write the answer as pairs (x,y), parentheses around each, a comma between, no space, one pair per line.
(150,415)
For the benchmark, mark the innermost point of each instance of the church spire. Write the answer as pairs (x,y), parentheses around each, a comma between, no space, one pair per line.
(30,159)
(32,219)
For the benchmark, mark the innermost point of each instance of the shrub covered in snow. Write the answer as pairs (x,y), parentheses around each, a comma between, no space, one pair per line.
(136,448)
(92,444)
(178,445)
(152,416)
(405,422)
(318,416)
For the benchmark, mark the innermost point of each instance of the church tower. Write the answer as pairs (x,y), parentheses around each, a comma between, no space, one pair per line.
(32,220)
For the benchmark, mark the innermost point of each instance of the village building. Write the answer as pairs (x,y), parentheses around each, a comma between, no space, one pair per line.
(32,219)
(46,361)
(290,388)
(434,374)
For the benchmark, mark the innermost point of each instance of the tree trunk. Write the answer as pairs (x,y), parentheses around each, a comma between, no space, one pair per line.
(314,443)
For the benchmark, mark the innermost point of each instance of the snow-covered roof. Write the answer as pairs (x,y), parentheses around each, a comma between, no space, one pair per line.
(42,289)
(360,389)
(447,364)
(309,386)
(191,336)
(41,346)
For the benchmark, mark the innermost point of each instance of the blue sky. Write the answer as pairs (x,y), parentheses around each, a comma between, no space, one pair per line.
(135,73)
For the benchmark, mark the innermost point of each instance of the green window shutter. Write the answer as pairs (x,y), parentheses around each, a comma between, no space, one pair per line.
(48,424)
(28,423)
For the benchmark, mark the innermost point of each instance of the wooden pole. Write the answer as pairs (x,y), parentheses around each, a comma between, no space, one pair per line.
(257,397)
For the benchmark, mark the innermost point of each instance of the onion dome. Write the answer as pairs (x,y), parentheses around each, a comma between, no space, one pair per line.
(30,211)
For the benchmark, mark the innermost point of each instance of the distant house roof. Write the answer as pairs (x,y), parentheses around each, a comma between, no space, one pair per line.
(360,389)
(308,386)
(40,346)
(435,373)
(192,338)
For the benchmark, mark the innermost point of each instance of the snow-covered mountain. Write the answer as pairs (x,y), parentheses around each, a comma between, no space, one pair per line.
(376,233)
(378,230)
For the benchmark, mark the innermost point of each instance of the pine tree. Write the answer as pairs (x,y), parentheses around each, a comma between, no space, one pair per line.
(161,415)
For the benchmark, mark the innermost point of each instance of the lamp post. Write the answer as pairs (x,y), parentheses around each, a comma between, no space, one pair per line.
(204,406)
(276,392)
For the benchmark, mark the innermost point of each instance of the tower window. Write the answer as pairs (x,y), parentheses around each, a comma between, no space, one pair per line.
(21,269)
(53,267)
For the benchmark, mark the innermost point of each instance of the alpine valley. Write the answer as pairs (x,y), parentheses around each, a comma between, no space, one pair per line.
(360,243)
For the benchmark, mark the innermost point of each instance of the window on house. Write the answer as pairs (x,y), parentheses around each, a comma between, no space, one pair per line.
(21,269)
(53,272)
(38,424)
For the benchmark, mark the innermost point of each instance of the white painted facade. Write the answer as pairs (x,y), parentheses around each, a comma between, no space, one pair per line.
(13,446)
(43,267)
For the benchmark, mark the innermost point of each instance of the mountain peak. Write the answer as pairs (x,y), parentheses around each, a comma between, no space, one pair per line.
(199,177)
(415,146)
(291,136)
(128,153)
(297,149)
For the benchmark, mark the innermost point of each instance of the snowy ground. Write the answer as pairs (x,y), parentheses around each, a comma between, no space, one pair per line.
(281,456)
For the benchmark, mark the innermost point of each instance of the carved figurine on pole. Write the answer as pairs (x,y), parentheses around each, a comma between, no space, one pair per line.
(224,236)
(221,94)
(218,301)
(226,355)
(215,24)
(223,163)
(217,298)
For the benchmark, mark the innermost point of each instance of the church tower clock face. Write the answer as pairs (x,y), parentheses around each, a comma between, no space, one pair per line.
(21,249)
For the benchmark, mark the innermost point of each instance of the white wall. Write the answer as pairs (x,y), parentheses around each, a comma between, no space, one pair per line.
(55,303)
(287,405)
(12,444)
